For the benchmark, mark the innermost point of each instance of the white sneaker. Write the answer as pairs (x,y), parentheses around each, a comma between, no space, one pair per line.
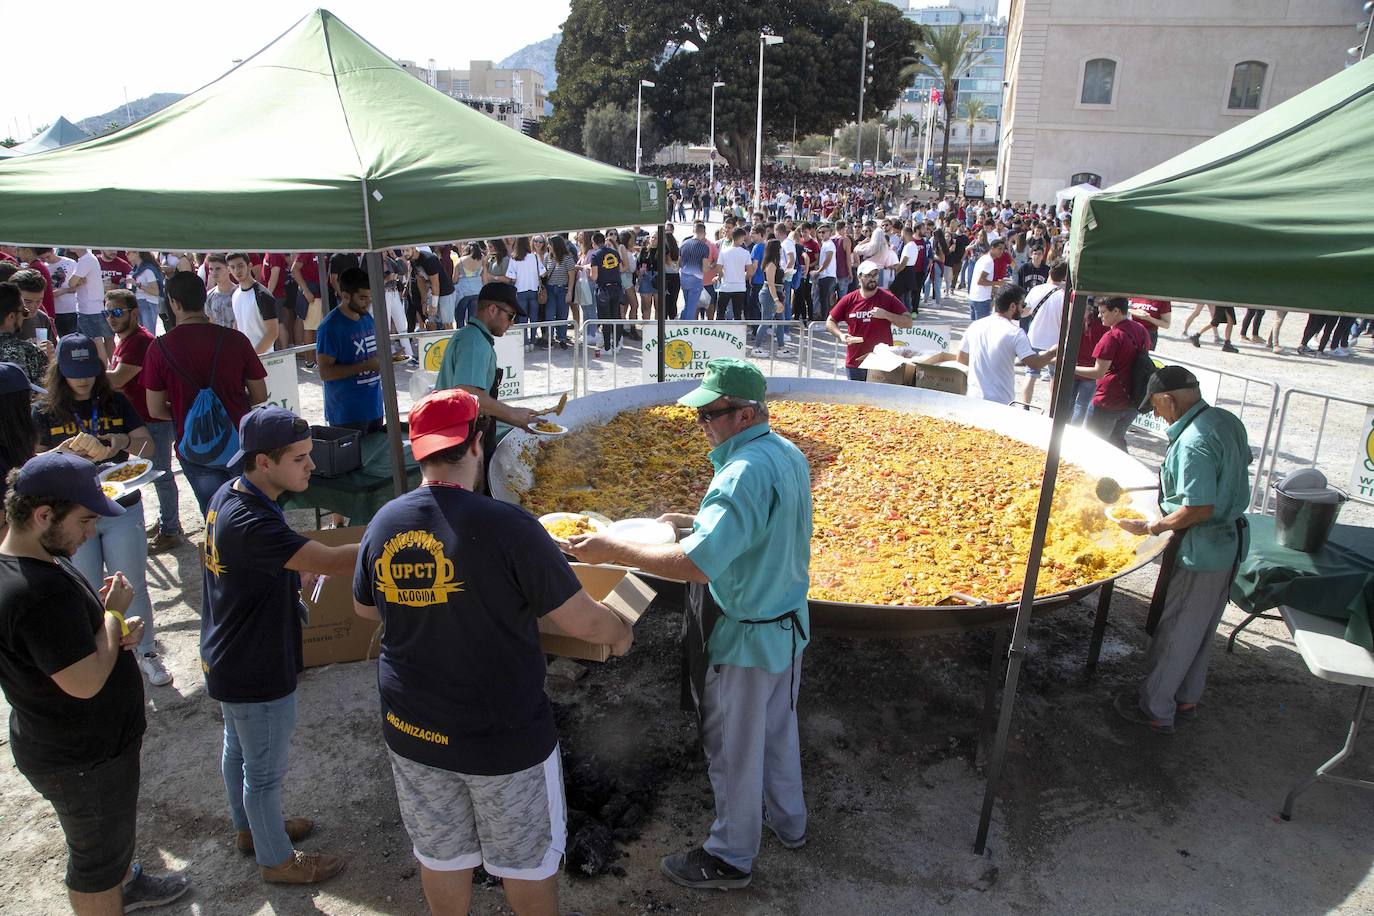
(787,351)
(153,669)
(758,351)
(1340,351)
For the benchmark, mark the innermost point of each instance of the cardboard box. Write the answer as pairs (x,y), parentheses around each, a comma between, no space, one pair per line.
(614,586)
(949,377)
(335,633)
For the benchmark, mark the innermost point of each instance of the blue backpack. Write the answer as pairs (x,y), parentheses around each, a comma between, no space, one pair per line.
(208,436)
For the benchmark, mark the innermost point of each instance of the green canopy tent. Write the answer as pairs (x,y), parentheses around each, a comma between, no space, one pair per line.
(1274,212)
(319,142)
(58,134)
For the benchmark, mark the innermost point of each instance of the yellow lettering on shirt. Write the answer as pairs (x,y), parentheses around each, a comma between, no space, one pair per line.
(210,553)
(415,731)
(426,583)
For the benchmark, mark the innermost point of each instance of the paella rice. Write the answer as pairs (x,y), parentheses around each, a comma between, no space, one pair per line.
(565,528)
(907,508)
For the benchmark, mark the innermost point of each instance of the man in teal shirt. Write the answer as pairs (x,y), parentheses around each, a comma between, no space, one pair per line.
(1203,492)
(470,358)
(751,541)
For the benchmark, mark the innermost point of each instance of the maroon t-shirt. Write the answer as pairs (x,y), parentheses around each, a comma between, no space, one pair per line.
(1120,345)
(42,268)
(857,311)
(275,259)
(114,270)
(133,350)
(192,350)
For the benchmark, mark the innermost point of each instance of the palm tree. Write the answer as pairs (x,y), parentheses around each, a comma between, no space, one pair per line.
(946,53)
(974,110)
(907,121)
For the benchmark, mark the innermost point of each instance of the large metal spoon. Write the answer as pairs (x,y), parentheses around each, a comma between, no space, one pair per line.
(1109,491)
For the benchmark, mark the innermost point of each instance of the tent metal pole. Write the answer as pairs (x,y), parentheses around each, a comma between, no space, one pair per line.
(1016,654)
(387,368)
(663,299)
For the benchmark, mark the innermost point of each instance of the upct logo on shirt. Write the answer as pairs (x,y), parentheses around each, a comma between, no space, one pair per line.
(413,571)
(210,553)
(610,261)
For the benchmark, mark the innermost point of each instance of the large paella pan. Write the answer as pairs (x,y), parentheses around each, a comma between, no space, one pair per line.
(902,607)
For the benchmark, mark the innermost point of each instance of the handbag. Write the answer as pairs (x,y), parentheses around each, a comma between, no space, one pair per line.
(542,296)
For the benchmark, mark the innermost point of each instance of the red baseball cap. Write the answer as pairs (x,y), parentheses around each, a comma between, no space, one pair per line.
(441,420)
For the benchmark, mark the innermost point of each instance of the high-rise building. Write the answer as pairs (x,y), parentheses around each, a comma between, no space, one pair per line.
(1101,90)
(516,98)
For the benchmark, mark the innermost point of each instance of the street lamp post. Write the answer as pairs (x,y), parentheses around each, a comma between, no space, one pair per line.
(712,156)
(639,118)
(864,47)
(764,41)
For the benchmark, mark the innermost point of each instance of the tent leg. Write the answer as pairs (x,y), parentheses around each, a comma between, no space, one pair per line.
(1068,348)
(1000,640)
(387,369)
(662,309)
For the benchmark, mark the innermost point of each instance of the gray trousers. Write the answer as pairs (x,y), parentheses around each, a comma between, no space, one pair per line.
(749,732)
(1176,662)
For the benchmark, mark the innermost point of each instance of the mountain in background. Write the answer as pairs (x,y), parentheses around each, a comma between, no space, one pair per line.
(136,110)
(538,56)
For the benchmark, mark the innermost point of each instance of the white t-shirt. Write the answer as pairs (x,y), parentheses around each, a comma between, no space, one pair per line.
(789,253)
(827,269)
(993,345)
(525,273)
(247,318)
(980,292)
(734,263)
(63,297)
(90,296)
(1048,302)
(911,252)
(944,206)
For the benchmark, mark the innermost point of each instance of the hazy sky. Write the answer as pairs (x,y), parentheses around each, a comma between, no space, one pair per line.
(93,52)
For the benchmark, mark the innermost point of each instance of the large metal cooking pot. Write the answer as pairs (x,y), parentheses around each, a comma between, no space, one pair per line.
(511,475)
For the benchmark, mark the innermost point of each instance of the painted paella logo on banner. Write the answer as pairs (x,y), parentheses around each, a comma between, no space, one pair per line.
(510,358)
(1362,469)
(689,349)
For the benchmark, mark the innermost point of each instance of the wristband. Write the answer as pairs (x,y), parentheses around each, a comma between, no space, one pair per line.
(123,627)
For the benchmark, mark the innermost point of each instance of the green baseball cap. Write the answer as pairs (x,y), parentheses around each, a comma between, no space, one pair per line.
(726,378)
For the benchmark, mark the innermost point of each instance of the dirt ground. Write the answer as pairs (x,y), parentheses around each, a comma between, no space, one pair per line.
(1095,816)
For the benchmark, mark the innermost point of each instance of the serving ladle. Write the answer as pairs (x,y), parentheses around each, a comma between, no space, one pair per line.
(1109,491)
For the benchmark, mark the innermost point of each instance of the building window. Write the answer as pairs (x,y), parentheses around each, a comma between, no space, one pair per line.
(500,84)
(1099,81)
(1247,85)
(1086,178)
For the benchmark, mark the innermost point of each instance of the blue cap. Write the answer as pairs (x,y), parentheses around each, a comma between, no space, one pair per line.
(62,475)
(77,357)
(265,428)
(13,379)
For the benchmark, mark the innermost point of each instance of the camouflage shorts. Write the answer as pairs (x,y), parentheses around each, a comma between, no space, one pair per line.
(515,825)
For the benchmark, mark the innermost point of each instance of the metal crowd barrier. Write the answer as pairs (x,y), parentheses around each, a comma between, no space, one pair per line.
(591,334)
(1336,467)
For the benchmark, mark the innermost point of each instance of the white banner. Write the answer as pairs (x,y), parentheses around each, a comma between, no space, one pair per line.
(510,359)
(1362,470)
(690,348)
(1210,384)
(923,338)
(282,388)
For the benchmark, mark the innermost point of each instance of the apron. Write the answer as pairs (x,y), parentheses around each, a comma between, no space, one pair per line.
(1168,561)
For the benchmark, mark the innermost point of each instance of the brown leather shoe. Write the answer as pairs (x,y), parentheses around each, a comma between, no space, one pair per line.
(303,868)
(297,829)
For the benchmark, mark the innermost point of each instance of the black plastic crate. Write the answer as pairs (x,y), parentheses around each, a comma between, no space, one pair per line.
(335,450)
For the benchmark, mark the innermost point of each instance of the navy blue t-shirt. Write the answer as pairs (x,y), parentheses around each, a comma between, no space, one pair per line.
(250,627)
(460,579)
(607,263)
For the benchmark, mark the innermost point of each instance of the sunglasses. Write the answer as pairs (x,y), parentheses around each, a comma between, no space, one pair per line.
(510,313)
(706,416)
(116,313)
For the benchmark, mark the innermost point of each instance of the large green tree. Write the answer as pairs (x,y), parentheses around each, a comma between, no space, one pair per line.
(685,45)
(608,134)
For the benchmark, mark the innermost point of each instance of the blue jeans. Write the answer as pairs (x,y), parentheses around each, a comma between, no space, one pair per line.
(529,304)
(979,308)
(205,481)
(856,373)
(465,309)
(966,271)
(1110,424)
(168,500)
(842,287)
(604,306)
(934,276)
(780,331)
(691,295)
(1083,391)
(119,545)
(147,315)
(556,309)
(257,740)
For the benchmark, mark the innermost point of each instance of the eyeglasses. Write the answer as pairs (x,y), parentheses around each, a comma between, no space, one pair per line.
(706,416)
(510,313)
(116,313)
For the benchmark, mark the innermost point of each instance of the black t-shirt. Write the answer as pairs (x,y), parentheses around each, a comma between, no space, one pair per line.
(49,616)
(607,263)
(53,431)
(430,264)
(459,580)
(250,628)
(1029,276)
(338,263)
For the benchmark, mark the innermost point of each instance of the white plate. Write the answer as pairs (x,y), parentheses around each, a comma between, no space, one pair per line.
(643,531)
(119,489)
(1111,513)
(596,523)
(134,482)
(561,431)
